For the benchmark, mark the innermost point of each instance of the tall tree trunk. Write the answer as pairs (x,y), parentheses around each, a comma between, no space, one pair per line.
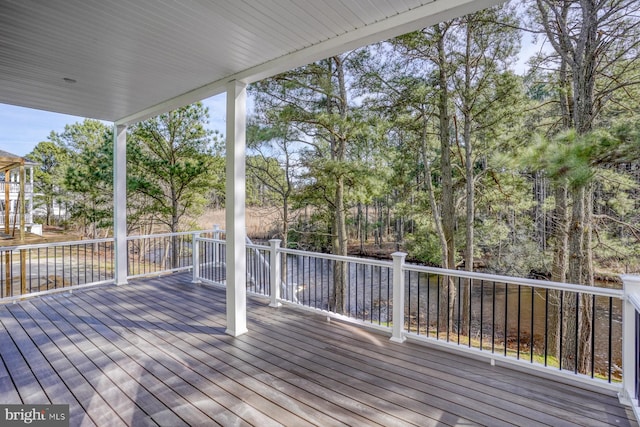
(560,234)
(366,222)
(338,151)
(339,247)
(581,258)
(469,181)
(285,221)
(586,313)
(448,290)
(560,267)
(360,229)
(576,249)
(49,210)
(560,263)
(174,229)
(437,218)
(578,310)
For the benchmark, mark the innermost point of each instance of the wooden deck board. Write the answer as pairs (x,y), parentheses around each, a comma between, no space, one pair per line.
(293,394)
(7,388)
(426,373)
(268,361)
(26,383)
(125,372)
(483,401)
(224,366)
(288,352)
(74,367)
(50,380)
(155,353)
(157,364)
(83,356)
(203,376)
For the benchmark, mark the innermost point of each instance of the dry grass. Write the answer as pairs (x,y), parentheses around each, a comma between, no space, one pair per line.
(261,222)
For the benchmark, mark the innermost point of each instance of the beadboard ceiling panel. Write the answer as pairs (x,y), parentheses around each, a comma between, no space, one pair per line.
(123,61)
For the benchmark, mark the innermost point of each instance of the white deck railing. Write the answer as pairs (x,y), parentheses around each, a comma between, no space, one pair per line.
(14,188)
(15,218)
(505,319)
(630,393)
(31,270)
(160,253)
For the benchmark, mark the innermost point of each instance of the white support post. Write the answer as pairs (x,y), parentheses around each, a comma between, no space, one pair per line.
(120,202)
(21,209)
(631,304)
(274,271)
(31,195)
(235,209)
(397,334)
(195,252)
(216,246)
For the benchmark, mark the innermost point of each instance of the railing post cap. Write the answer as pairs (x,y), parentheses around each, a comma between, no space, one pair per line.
(275,241)
(631,280)
(399,255)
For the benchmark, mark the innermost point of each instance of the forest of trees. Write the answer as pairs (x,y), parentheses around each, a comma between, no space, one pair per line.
(430,143)
(174,168)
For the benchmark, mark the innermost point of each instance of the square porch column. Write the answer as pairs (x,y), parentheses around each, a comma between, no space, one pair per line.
(120,203)
(235,209)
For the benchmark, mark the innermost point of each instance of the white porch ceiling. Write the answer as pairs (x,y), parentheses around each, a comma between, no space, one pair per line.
(134,59)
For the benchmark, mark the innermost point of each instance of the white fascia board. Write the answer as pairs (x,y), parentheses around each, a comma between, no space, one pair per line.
(421,17)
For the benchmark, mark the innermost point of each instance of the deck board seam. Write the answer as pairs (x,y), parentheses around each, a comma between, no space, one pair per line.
(118,396)
(302,366)
(87,334)
(47,353)
(128,324)
(47,371)
(264,371)
(560,414)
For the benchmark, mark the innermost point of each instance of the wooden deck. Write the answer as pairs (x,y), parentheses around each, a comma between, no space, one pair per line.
(155,353)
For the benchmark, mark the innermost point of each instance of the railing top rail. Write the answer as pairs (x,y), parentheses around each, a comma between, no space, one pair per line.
(54,244)
(222,241)
(547,284)
(377,263)
(210,240)
(180,233)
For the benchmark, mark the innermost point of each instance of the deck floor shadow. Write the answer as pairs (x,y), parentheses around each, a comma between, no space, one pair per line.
(155,352)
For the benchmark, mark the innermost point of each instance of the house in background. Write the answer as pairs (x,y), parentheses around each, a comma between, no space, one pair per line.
(16,195)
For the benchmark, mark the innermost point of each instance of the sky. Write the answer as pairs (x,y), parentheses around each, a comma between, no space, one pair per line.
(21,129)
